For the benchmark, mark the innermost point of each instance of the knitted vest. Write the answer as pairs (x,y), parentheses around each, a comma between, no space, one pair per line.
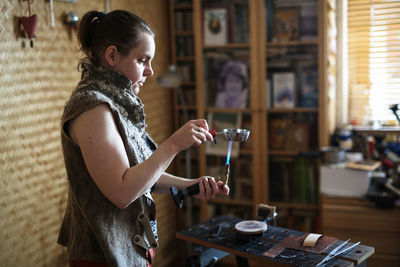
(94,229)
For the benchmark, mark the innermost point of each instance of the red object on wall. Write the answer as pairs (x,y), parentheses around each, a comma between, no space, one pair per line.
(29,25)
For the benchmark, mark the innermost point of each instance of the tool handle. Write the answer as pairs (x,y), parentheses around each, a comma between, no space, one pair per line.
(179,195)
(191,190)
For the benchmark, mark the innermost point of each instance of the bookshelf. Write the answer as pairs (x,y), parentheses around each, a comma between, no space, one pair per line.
(270,60)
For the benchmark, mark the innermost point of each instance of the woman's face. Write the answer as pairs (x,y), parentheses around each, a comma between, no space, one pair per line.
(137,64)
(233,85)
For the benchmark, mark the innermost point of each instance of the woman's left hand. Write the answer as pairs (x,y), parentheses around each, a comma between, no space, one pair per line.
(209,188)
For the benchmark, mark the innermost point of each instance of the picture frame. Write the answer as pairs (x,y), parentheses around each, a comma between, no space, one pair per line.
(226,80)
(219,121)
(232,85)
(284,88)
(216,24)
(286,24)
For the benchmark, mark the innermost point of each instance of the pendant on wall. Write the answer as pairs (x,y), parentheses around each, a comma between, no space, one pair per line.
(29,24)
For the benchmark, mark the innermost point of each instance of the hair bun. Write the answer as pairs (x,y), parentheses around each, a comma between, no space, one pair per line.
(98,17)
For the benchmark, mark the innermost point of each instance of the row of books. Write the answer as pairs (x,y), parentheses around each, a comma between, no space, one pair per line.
(186,70)
(184,20)
(292,132)
(184,46)
(293,180)
(289,89)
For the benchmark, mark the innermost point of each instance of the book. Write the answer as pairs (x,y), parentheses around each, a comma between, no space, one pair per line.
(297,137)
(308,87)
(241,23)
(243,189)
(243,169)
(283,89)
(286,24)
(277,133)
(309,23)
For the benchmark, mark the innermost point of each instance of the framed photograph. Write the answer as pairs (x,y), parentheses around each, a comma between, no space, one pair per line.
(216,24)
(286,24)
(219,122)
(283,84)
(226,80)
(232,86)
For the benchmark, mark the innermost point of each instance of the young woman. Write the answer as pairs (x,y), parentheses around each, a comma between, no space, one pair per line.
(112,163)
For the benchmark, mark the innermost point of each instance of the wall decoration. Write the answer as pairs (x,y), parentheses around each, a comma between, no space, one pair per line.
(29,24)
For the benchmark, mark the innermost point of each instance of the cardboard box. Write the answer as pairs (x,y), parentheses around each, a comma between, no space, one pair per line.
(344,182)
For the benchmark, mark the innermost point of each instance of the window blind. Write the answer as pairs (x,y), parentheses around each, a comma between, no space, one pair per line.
(373,38)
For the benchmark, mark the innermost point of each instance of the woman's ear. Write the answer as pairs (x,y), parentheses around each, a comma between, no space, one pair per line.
(111,55)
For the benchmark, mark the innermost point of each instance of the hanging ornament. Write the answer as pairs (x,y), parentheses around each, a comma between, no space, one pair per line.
(29,24)
(71,19)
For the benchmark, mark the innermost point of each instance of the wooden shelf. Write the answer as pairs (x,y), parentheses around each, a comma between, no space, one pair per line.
(229,110)
(292,205)
(188,107)
(228,201)
(283,153)
(183,7)
(227,46)
(189,83)
(184,33)
(292,110)
(185,58)
(377,131)
(291,43)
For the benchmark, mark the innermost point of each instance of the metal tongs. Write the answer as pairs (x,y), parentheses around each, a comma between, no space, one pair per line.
(335,252)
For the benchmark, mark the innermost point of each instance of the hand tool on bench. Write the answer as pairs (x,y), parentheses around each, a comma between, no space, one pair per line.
(335,252)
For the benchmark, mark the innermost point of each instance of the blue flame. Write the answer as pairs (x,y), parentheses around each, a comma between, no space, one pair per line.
(228,156)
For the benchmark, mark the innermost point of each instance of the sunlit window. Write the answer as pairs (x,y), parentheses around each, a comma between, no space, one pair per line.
(373,60)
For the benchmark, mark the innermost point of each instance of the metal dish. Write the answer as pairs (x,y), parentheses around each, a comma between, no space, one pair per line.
(236,135)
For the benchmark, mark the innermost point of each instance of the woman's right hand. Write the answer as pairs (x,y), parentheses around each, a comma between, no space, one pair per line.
(192,133)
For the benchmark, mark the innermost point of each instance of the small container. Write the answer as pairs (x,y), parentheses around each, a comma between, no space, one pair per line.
(331,154)
(345,140)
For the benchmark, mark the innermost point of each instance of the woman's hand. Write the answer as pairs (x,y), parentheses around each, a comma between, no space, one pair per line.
(192,133)
(209,188)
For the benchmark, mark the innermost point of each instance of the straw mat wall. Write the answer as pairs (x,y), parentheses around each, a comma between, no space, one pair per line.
(34,85)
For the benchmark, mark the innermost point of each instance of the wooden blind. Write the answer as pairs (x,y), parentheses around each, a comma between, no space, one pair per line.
(373,59)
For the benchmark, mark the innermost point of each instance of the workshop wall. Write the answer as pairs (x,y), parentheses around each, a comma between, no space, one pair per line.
(34,85)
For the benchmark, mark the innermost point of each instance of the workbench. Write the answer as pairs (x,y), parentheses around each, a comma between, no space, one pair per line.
(218,239)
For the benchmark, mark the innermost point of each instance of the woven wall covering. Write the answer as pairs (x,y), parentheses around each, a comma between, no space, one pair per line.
(34,85)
